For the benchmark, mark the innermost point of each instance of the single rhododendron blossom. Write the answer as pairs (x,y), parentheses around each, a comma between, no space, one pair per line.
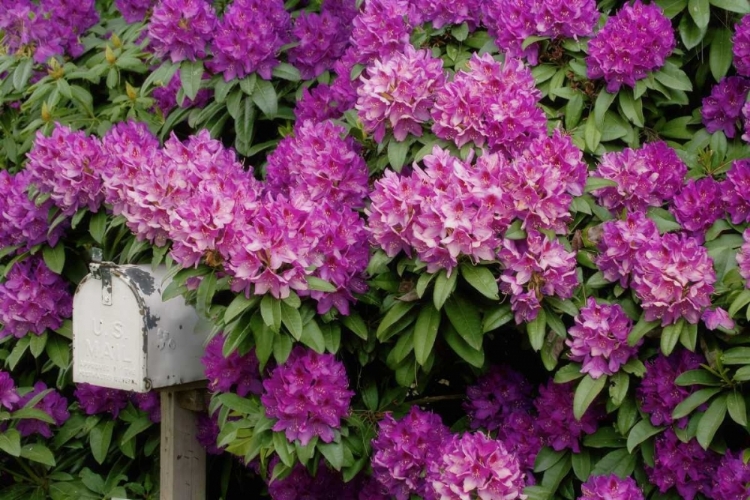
(404,449)
(610,487)
(634,42)
(307,396)
(599,339)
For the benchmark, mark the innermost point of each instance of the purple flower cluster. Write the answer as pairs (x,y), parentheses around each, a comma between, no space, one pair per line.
(619,244)
(381,28)
(715,318)
(181,29)
(404,449)
(491,102)
(698,205)
(610,487)
(208,433)
(746,117)
(723,108)
(32,299)
(743,258)
(53,404)
(134,11)
(685,466)
(535,267)
(8,395)
(322,39)
(234,372)
(476,466)
(326,483)
(47,29)
(307,396)
(645,177)
(556,423)
(674,279)
(741,46)
(23,223)
(732,478)
(68,166)
(441,13)
(319,104)
(634,42)
(148,402)
(398,93)
(511,22)
(165,98)
(520,436)
(599,339)
(736,191)
(249,37)
(94,399)
(321,163)
(495,396)
(658,394)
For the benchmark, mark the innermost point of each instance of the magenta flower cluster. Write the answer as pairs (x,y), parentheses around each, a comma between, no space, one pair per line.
(94,399)
(322,39)
(634,42)
(441,13)
(495,396)
(207,428)
(736,191)
(646,177)
(610,487)
(237,373)
(475,466)
(722,110)
(33,299)
(404,449)
(536,267)
(53,404)
(181,29)
(599,339)
(326,483)
(68,166)
(49,28)
(658,394)
(398,93)
(685,466)
(620,243)
(741,46)
(732,478)
(556,423)
(8,394)
(166,97)
(743,258)
(512,22)
(490,102)
(381,28)
(248,38)
(698,205)
(307,396)
(134,11)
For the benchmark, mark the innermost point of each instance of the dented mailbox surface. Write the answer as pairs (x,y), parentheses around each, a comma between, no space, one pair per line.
(125,337)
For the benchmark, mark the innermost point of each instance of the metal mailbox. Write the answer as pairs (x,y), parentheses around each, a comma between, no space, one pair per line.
(126,337)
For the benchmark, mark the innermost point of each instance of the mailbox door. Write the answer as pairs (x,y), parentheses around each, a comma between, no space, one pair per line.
(109,340)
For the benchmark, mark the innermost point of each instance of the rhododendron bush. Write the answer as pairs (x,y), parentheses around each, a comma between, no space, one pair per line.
(480,249)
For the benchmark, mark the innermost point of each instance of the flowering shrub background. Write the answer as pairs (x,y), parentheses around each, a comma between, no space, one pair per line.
(477,249)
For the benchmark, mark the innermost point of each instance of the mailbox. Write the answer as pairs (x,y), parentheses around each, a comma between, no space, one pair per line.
(126,337)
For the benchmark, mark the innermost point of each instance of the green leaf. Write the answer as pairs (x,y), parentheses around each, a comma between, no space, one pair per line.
(465,351)
(689,336)
(282,346)
(281,446)
(395,313)
(30,412)
(397,153)
(206,291)
(720,57)
(100,439)
(700,11)
(496,317)
(37,343)
(291,319)
(736,356)
(547,458)
(739,6)
(313,337)
(286,71)
(10,442)
(465,318)
(588,389)
(690,34)
(265,98)
(460,32)
(640,329)
(22,73)
(595,183)
(239,305)
(37,452)
(670,335)
(356,324)
(697,377)
(592,134)
(481,279)
(689,404)
(568,373)
(444,287)
(333,453)
(54,257)
(711,421)
(537,329)
(270,311)
(320,285)
(425,332)
(632,108)
(619,462)
(737,408)
(604,437)
(603,101)
(581,464)
(137,426)
(18,351)
(191,74)
(739,302)
(618,387)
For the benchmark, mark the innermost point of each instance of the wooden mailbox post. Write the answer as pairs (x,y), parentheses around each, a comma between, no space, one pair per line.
(125,337)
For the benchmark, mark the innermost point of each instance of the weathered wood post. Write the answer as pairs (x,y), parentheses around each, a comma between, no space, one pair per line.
(126,337)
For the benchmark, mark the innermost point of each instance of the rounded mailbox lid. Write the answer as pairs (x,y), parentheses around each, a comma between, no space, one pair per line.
(109,333)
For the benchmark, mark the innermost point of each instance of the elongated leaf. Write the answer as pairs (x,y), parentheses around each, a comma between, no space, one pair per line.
(444,287)
(670,335)
(481,279)
(37,452)
(10,442)
(739,6)
(693,401)
(720,57)
(100,439)
(618,387)
(291,319)
(54,257)
(191,74)
(697,377)
(465,318)
(619,462)
(395,313)
(265,98)
(239,305)
(546,458)
(270,311)
(313,337)
(22,73)
(497,317)
(537,329)
(737,408)
(425,332)
(356,324)
(586,392)
(640,329)
(700,11)
(736,356)
(568,373)
(465,351)
(711,421)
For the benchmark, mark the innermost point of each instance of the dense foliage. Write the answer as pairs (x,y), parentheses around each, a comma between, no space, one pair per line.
(486,249)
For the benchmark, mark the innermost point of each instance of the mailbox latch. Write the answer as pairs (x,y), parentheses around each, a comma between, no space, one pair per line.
(100,270)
